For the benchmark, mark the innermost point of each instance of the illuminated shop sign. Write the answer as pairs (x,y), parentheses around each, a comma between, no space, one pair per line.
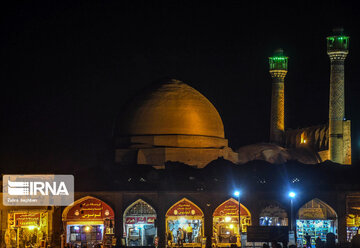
(90,209)
(27,219)
(140,220)
(230,208)
(184,208)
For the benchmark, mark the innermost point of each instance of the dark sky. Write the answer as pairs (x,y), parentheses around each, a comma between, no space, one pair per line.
(67,67)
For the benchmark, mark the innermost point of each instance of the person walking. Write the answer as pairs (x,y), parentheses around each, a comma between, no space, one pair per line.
(308,240)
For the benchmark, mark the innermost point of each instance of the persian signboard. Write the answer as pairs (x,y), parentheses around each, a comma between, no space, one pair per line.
(26,219)
(184,207)
(230,208)
(89,208)
(140,220)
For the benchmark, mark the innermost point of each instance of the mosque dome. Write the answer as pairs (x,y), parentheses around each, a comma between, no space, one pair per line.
(170,107)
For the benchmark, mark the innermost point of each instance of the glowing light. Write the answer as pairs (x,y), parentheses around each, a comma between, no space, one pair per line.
(292,194)
(231,226)
(31,227)
(227,218)
(182,220)
(76,228)
(237,193)
(302,138)
(87,229)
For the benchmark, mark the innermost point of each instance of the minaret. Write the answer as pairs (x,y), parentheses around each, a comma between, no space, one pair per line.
(278,69)
(337,49)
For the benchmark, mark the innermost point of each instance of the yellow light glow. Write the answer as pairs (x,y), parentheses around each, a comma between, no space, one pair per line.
(227,218)
(87,228)
(231,226)
(302,138)
(31,227)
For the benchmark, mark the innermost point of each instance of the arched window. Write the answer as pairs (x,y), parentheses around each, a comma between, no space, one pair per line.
(139,224)
(226,222)
(184,223)
(87,221)
(316,219)
(273,215)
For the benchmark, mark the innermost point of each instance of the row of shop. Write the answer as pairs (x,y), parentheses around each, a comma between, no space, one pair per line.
(91,221)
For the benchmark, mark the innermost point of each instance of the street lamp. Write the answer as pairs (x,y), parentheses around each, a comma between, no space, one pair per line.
(292,195)
(237,194)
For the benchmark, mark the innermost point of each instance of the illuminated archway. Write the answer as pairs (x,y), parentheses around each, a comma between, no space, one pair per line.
(88,221)
(186,216)
(273,215)
(139,224)
(317,219)
(226,222)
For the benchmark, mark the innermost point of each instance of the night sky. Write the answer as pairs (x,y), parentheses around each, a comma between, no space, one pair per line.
(68,67)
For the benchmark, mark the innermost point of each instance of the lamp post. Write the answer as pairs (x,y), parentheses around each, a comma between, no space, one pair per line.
(237,194)
(292,196)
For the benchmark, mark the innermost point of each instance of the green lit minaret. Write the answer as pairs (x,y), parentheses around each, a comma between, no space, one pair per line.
(337,49)
(278,69)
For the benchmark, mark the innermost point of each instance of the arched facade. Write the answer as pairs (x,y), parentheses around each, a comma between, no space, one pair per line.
(226,222)
(184,216)
(317,219)
(273,215)
(88,221)
(139,224)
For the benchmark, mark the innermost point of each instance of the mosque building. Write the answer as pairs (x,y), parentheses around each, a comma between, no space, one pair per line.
(142,201)
(171,121)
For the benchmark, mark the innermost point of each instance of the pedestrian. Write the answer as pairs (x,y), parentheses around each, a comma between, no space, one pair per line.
(180,237)
(318,242)
(355,242)
(189,232)
(308,240)
(330,240)
(169,238)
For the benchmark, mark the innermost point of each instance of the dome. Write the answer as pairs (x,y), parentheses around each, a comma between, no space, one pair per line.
(170,107)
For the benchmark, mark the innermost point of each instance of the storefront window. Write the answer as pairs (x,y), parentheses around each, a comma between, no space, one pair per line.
(184,224)
(226,222)
(88,222)
(353,216)
(315,219)
(139,224)
(273,215)
(27,229)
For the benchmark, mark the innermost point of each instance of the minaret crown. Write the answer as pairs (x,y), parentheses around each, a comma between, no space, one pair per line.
(337,44)
(278,61)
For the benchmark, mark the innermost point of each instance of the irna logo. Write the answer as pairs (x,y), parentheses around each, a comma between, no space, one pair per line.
(35,188)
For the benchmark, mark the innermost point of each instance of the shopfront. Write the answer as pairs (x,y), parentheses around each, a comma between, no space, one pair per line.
(184,216)
(89,222)
(273,215)
(352,216)
(226,223)
(139,224)
(27,228)
(317,219)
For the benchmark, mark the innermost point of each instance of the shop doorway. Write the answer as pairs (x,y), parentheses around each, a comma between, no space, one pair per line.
(273,215)
(139,224)
(27,229)
(353,216)
(317,219)
(88,222)
(184,224)
(226,223)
